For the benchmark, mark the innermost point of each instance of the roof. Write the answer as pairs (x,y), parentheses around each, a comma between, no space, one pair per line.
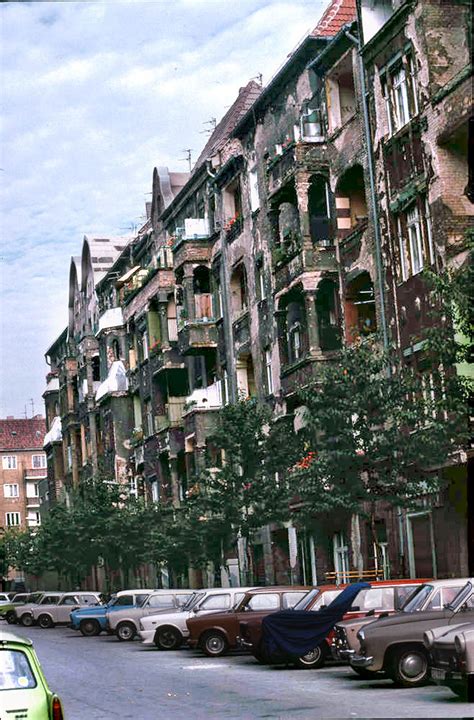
(245,99)
(103,253)
(9,637)
(22,434)
(338,14)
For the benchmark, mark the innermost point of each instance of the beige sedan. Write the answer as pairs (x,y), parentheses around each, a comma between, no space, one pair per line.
(47,616)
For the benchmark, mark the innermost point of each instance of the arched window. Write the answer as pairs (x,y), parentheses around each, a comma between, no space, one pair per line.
(319,208)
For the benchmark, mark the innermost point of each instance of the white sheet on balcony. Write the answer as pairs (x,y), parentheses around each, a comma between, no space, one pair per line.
(116,380)
(55,432)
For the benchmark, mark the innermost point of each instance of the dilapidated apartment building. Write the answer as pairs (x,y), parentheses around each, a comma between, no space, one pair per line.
(304,224)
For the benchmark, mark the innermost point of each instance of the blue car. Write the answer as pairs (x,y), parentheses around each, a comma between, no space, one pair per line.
(92,620)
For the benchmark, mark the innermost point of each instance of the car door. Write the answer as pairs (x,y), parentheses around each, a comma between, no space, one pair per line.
(66,604)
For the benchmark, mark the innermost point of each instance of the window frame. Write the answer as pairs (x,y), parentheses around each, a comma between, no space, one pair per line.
(12,524)
(9,462)
(11,495)
(42,459)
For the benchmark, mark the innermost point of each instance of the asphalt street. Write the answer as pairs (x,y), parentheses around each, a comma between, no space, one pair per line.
(103,679)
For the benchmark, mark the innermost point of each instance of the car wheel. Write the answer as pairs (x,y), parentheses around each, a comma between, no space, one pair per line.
(168,638)
(125,631)
(45,622)
(214,644)
(89,628)
(26,620)
(10,617)
(313,659)
(408,666)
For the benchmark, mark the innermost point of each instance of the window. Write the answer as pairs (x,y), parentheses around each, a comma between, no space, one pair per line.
(9,462)
(399,90)
(161,601)
(133,486)
(15,672)
(294,343)
(415,241)
(12,519)
(124,600)
(69,600)
(253,185)
(216,602)
(150,426)
(268,372)
(261,283)
(264,601)
(11,490)
(291,598)
(39,461)
(33,518)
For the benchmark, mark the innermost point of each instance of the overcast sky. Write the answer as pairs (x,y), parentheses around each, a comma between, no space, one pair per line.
(94,96)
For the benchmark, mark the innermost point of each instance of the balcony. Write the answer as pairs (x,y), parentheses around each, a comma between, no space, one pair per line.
(193,242)
(286,273)
(233,228)
(299,374)
(280,168)
(111,318)
(166,359)
(197,336)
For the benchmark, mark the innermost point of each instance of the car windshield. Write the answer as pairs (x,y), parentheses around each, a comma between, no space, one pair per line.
(195,597)
(417,599)
(462,597)
(307,599)
(15,671)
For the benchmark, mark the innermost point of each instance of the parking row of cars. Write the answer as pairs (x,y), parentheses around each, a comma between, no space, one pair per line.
(412,630)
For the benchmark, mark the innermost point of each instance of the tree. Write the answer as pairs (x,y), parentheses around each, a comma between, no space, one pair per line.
(372,433)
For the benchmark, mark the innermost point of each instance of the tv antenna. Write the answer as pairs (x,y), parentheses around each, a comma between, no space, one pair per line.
(187,159)
(259,78)
(208,131)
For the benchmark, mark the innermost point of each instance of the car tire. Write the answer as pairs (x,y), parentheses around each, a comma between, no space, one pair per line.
(10,617)
(408,666)
(313,659)
(89,628)
(126,631)
(27,620)
(45,622)
(168,638)
(214,644)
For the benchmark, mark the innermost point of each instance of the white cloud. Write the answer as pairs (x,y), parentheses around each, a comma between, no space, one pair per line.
(95,94)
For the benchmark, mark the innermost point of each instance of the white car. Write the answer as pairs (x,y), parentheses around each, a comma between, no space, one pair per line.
(124,622)
(168,630)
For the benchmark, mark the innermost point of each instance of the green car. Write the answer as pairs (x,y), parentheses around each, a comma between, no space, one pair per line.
(23,687)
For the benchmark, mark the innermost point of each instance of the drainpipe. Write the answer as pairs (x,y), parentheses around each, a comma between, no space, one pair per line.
(229,340)
(357,41)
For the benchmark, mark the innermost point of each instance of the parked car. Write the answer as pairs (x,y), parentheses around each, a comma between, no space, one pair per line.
(57,613)
(379,598)
(168,630)
(125,622)
(91,621)
(414,596)
(215,634)
(395,644)
(24,613)
(24,691)
(7,612)
(451,657)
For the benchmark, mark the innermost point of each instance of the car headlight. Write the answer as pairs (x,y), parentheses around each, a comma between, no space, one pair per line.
(361,635)
(460,644)
(428,639)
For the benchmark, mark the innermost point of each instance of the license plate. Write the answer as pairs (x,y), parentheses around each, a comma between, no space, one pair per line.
(438,674)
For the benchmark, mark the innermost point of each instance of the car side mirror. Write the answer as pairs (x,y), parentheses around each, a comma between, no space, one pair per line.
(370,613)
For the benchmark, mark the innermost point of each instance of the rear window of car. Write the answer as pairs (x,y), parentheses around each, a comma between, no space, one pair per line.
(215,602)
(264,601)
(377,598)
(69,600)
(88,600)
(325,599)
(290,599)
(181,600)
(4,598)
(15,671)
(50,600)
(160,601)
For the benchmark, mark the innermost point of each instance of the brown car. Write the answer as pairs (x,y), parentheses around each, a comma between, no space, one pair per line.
(215,634)
(382,597)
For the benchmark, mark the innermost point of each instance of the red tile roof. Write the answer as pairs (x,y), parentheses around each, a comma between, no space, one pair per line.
(22,434)
(335,16)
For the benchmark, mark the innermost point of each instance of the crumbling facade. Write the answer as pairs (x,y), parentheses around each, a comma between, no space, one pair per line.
(304,224)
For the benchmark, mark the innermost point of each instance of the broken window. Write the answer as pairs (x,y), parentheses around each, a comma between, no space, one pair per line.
(359,307)
(95,368)
(340,93)
(399,91)
(319,209)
